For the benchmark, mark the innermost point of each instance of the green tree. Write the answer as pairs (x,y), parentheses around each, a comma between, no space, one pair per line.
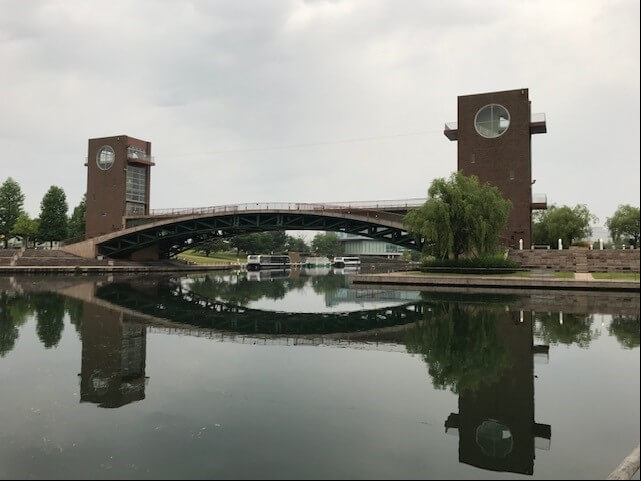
(260,242)
(296,244)
(77,219)
(566,223)
(213,245)
(53,215)
(278,240)
(25,228)
(11,202)
(327,244)
(625,225)
(245,243)
(460,217)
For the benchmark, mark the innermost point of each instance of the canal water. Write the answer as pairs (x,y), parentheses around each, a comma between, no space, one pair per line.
(300,375)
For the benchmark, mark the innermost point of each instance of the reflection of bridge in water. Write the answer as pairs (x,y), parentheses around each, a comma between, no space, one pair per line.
(186,307)
(480,347)
(358,296)
(495,422)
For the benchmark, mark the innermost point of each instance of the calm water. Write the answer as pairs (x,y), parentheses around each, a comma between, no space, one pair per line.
(273,375)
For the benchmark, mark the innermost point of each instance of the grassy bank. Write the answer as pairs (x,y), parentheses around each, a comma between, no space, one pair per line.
(628,276)
(452,274)
(564,275)
(523,274)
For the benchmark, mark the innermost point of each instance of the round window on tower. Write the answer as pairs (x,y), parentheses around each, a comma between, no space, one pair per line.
(105,157)
(492,121)
(494,439)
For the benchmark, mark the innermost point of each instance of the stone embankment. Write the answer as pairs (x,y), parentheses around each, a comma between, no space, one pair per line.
(578,260)
(425,281)
(13,261)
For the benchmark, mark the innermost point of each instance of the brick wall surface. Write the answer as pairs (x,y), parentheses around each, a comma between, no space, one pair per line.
(578,260)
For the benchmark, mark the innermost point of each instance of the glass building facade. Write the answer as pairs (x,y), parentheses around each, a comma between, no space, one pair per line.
(364,246)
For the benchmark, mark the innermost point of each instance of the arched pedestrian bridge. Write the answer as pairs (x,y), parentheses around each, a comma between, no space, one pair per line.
(164,233)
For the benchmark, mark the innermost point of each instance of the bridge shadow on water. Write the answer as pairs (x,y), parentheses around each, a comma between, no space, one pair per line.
(480,347)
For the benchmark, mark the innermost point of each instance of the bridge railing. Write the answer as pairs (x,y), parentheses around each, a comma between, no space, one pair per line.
(293,206)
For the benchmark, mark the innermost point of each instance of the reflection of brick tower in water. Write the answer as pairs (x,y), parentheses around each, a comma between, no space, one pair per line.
(495,423)
(113,358)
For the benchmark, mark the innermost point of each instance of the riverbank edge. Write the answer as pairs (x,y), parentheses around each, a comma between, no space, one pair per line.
(418,282)
(11,270)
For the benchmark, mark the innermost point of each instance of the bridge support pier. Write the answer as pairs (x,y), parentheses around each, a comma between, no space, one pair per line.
(151,253)
(86,249)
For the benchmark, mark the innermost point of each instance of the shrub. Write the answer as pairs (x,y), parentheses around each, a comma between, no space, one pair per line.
(487,262)
(581,243)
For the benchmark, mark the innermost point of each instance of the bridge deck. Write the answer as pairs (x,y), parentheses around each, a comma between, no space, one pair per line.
(179,229)
(401,205)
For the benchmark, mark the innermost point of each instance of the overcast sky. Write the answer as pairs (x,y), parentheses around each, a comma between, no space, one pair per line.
(313,101)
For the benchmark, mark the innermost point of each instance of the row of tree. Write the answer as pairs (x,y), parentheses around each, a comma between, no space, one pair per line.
(273,242)
(463,217)
(572,225)
(52,224)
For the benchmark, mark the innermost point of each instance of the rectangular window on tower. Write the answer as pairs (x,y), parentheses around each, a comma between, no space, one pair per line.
(136,183)
(133,208)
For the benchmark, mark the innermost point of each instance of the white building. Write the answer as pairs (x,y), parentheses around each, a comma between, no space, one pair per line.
(356,245)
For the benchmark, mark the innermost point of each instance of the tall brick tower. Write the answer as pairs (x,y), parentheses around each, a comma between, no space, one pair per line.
(118,178)
(494,132)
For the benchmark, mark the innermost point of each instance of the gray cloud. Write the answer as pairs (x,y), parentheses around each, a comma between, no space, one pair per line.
(213,85)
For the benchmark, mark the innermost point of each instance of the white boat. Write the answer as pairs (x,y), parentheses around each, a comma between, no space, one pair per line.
(317,262)
(264,275)
(257,262)
(347,262)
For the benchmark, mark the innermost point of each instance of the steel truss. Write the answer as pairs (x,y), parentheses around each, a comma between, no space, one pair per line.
(185,234)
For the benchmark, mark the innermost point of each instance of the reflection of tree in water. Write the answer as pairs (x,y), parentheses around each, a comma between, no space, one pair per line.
(327,284)
(626,330)
(566,328)
(50,313)
(460,346)
(14,310)
(74,310)
(243,292)
(8,329)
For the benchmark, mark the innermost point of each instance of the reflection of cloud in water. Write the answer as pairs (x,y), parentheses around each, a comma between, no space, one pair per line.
(307,300)
(293,291)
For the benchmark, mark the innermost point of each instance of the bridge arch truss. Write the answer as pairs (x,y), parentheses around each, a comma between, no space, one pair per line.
(173,235)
